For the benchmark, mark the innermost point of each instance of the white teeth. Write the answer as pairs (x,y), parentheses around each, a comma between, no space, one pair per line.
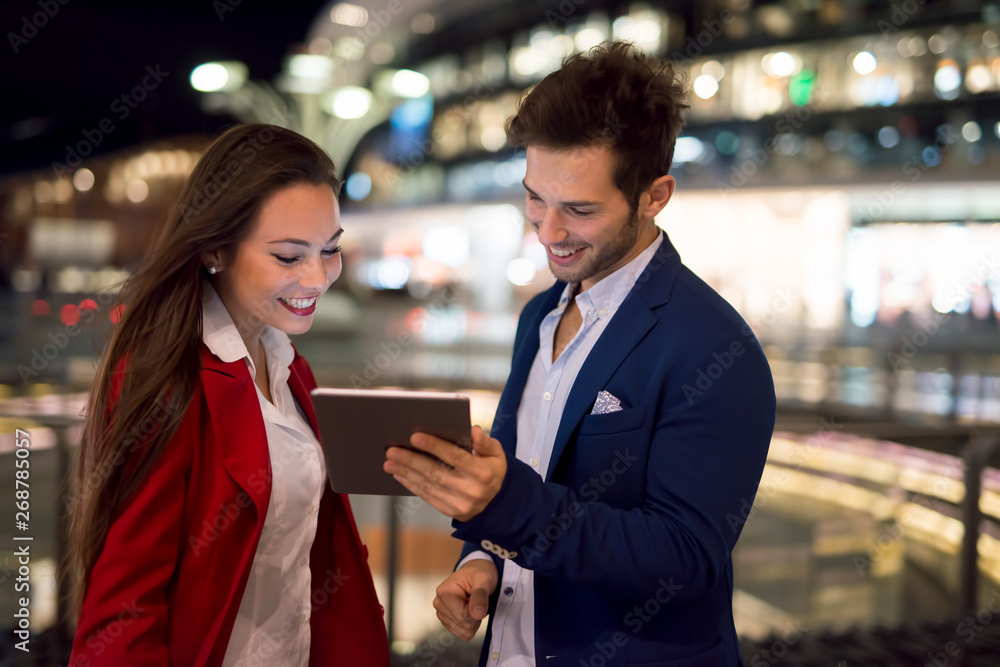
(562,253)
(299,304)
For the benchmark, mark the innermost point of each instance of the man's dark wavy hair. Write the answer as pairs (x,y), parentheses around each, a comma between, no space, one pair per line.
(613,96)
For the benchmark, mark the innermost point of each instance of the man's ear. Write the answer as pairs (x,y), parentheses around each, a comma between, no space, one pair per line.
(655,197)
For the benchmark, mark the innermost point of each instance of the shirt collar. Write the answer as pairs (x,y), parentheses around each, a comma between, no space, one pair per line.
(223,339)
(609,293)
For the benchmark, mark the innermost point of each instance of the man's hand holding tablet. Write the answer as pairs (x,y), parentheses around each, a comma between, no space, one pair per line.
(462,488)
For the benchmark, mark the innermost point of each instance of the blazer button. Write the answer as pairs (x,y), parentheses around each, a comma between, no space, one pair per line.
(486,544)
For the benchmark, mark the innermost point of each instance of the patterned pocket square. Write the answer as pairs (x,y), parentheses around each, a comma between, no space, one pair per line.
(606,403)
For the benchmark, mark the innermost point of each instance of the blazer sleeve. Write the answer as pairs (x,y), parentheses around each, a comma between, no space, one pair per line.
(469,548)
(124,615)
(704,464)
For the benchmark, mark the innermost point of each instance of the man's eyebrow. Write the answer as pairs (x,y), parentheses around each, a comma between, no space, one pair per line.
(306,243)
(574,204)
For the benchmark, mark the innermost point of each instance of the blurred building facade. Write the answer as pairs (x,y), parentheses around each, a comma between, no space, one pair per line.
(837,183)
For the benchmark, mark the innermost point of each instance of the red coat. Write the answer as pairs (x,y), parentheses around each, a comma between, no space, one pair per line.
(166,588)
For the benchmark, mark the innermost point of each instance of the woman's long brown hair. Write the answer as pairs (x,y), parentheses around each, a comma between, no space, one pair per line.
(151,366)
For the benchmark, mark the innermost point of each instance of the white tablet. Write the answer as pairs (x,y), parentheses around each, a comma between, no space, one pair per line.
(357,426)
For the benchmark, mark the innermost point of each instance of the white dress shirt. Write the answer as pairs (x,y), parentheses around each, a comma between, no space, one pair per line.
(272,625)
(538,416)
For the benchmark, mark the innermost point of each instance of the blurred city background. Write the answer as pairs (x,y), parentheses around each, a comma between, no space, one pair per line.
(837,182)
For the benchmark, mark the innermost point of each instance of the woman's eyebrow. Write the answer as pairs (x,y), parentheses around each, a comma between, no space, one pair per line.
(306,243)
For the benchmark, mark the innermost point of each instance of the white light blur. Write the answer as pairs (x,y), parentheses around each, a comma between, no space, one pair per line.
(621,27)
(917,46)
(348,102)
(540,38)
(861,275)
(407,83)
(947,79)
(688,149)
(903,47)
(937,44)
(714,69)
(996,129)
(705,86)
(345,13)
(526,62)
(349,48)
(588,38)
(521,271)
(887,90)
(560,47)
(448,245)
(641,28)
(979,78)
(209,77)
(535,253)
(950,269)
(972,132)
(310,66)
(493,138)
(389,273)
(646,31)
(993,284)
(780,64)
(865,63)
(83,179)
(25,280)
(70,281)
(136,190)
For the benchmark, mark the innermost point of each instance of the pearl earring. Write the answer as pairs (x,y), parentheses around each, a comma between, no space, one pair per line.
(211,269)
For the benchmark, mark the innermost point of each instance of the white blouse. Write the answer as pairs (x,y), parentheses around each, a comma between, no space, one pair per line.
(272,625)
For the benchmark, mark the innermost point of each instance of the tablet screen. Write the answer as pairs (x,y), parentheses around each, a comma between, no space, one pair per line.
(357,426)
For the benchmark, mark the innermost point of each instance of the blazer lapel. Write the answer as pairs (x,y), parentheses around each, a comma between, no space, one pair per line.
(239,426)
(629,325)
(632,321)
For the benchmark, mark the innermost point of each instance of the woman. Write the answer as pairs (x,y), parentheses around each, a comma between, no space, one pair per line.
(204,531)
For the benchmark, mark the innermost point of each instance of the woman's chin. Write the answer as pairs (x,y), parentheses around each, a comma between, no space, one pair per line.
(294,327)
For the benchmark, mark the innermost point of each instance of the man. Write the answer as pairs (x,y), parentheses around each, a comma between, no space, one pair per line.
(600,518)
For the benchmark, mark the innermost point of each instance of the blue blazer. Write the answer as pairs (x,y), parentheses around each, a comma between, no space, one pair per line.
(630,539)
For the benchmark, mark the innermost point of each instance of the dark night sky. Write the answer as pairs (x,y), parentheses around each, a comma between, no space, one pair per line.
(65,79)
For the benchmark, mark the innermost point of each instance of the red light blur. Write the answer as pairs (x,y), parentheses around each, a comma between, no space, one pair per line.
(69,314)
(39,307)
(415,319)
